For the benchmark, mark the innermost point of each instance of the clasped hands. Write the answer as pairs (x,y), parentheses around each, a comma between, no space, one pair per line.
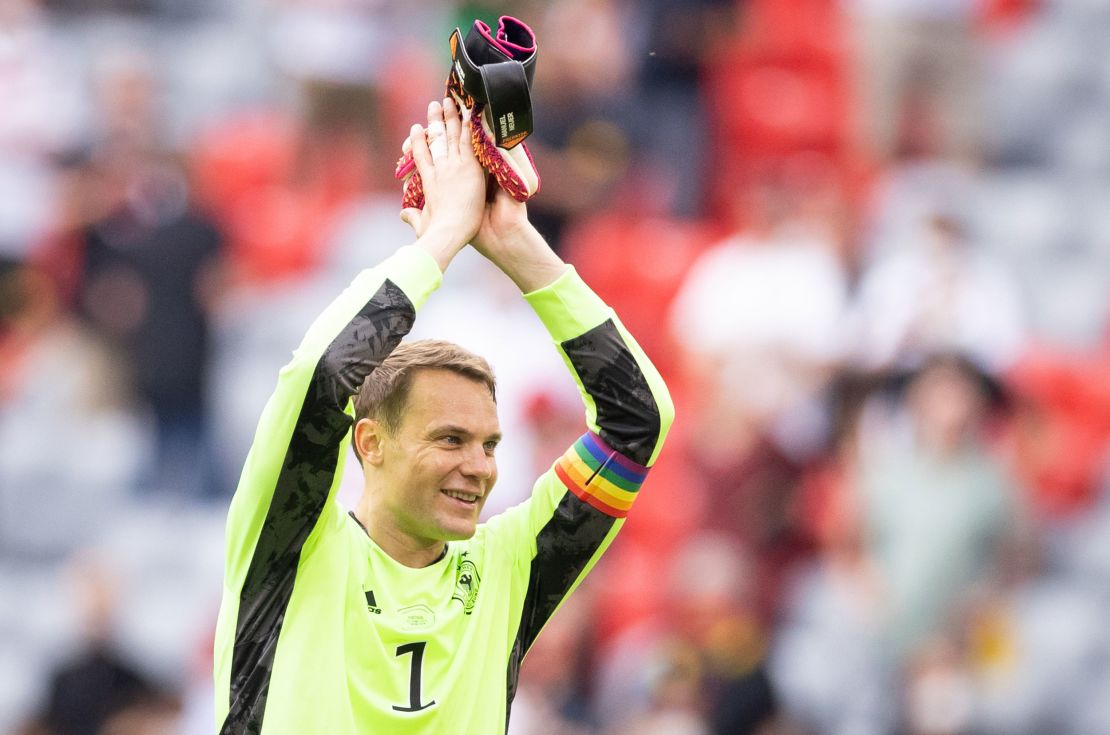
(456,204)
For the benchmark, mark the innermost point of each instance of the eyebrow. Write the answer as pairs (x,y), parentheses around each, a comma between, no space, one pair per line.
(453,429)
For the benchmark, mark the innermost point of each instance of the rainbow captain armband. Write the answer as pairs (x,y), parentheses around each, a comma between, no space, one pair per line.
(601,476)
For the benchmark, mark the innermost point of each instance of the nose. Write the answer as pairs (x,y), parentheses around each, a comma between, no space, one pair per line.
(479,464)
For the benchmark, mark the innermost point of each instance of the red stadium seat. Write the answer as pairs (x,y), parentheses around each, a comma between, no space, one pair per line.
(276,189)
(277,232)
(779,91)
(810,27)
(240,155)
(1062,428)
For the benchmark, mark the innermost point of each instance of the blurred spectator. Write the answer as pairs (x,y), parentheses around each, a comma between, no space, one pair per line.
(149,273)
(758,319)
(833,606)
(588,57)
(936,507)
(582,108)
(759,316)
(678,37)
(697,665)
(675,702)
(828,664)
(939,292)
(1019,656)
(918,75)
(97,691)
(919,525)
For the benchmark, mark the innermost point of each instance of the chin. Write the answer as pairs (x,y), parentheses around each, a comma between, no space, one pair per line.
(457,531)
(462,535)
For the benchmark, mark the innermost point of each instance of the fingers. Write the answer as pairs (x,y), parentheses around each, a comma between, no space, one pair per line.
(422,156)
(466,149)
(442,153)
(438,142)
(452,123)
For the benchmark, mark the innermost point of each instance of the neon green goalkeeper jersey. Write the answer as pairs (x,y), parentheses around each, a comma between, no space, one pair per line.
(322,633)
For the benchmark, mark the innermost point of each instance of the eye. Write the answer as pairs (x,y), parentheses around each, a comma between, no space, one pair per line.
(452,439)
(490,446)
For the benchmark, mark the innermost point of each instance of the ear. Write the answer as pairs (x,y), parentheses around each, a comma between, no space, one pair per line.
(368,437)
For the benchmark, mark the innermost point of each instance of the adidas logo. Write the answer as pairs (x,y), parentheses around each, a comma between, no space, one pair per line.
(371,603)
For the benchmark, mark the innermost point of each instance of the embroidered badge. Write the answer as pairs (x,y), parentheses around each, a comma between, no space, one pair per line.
(466,583)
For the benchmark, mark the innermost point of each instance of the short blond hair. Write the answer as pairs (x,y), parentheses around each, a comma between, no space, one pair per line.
(385,391)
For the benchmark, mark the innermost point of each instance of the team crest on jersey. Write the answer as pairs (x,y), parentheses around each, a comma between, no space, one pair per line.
(466,583)
(416,617)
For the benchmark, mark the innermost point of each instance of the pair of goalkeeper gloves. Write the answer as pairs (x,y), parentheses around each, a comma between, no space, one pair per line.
(491,76)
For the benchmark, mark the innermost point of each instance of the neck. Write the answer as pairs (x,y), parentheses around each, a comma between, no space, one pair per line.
(409,550)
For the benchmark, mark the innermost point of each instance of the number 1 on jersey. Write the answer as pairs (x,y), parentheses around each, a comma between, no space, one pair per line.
(417,651)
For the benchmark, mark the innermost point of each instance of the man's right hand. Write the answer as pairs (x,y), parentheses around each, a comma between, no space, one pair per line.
(454,184)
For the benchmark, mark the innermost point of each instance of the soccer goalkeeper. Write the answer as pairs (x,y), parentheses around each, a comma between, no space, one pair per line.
(405,615)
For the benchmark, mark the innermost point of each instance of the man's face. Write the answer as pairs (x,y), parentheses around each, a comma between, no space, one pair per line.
(438,465)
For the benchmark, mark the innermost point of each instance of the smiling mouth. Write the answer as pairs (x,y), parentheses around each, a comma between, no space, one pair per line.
(462,497)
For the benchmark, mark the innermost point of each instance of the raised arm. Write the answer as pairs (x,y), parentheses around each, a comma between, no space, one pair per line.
(578,506)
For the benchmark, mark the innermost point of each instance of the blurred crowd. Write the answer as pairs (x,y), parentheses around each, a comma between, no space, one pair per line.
(867,242)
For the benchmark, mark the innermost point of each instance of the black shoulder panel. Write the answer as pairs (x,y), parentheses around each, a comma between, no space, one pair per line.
(626,410)
(367,340)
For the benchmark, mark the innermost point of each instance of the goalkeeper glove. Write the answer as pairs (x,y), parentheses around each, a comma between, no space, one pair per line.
(491,75)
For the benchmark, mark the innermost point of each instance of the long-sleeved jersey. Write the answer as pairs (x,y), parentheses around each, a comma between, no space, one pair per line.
(320,631)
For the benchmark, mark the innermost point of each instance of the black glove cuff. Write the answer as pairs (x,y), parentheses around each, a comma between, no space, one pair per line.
(492,77)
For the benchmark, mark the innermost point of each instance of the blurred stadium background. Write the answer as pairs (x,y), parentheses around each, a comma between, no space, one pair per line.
(867,241)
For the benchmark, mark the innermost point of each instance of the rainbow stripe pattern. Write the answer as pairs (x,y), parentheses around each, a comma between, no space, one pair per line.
(600,476)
